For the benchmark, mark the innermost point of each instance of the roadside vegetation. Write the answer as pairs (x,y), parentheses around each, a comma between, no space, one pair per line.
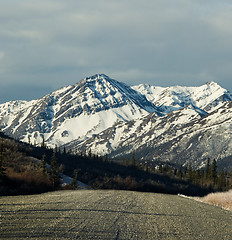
(19,172)
(22,173)
(220,199)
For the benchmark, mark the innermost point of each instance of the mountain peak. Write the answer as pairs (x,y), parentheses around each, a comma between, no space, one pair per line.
(97,76)
(212,83)
(213,86)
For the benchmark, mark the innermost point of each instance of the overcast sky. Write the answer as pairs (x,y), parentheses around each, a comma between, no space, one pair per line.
(47,44)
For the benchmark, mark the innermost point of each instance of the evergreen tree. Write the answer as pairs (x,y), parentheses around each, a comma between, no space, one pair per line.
(175,171)
(146,166)
(43,142)
(74,180)
(207,171)
(222,180)
(214,172)
(197,176)
(185,172)
(43,165)
(64,150)
(2,169)
(190,172)
(90,153)
(29,140)
(166,168)
(202,174)
(133,161)
(54,171)
(179,173)
(161,168)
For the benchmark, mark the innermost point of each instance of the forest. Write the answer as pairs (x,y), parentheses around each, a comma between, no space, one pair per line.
(28,169)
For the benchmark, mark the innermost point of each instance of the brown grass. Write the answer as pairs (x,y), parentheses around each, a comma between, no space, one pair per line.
(220,199)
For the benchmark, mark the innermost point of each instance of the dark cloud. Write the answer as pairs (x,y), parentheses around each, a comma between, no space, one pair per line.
(161,42)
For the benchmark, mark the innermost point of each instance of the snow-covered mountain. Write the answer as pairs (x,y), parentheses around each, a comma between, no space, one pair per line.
(73,112)
(179,137)
(207,97)
(177,124)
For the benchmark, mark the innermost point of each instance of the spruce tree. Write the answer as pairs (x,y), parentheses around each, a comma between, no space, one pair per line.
(146,166)
(214,172)
(190,172)
(64,150)
(43,166)
(2,169)
(133,161)
(166,168)
(90,153)
(207,171)
(222,180)
(179,173)
(43,142)
(74,180)
(54,171)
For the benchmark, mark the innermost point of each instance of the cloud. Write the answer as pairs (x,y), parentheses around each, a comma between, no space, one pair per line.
(2,54)
(162,41)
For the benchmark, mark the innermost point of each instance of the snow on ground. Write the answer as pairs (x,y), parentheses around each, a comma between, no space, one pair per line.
(66,180)
(173,97)
(86,125)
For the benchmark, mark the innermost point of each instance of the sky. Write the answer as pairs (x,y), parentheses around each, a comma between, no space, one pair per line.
(48,44)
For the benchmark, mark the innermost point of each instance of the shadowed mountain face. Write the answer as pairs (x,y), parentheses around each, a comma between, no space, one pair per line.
(176,124)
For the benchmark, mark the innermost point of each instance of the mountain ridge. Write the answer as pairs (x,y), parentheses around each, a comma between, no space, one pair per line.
(54,115)
(98,107)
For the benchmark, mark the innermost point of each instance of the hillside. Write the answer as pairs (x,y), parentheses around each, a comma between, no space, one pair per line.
(23,173)
(20,172)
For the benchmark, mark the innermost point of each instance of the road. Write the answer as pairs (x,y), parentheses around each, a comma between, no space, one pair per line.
(89,214)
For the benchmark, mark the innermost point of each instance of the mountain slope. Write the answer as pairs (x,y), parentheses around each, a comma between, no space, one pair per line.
(90,106)
(180,137)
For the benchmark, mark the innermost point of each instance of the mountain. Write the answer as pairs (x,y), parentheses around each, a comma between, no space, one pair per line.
(73,112)
(175,124)
(207,97)
(180,137)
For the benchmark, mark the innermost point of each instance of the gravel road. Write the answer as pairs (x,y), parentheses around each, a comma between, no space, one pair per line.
(89,214)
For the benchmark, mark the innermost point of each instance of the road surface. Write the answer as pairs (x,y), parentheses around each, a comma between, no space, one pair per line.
(89,214)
